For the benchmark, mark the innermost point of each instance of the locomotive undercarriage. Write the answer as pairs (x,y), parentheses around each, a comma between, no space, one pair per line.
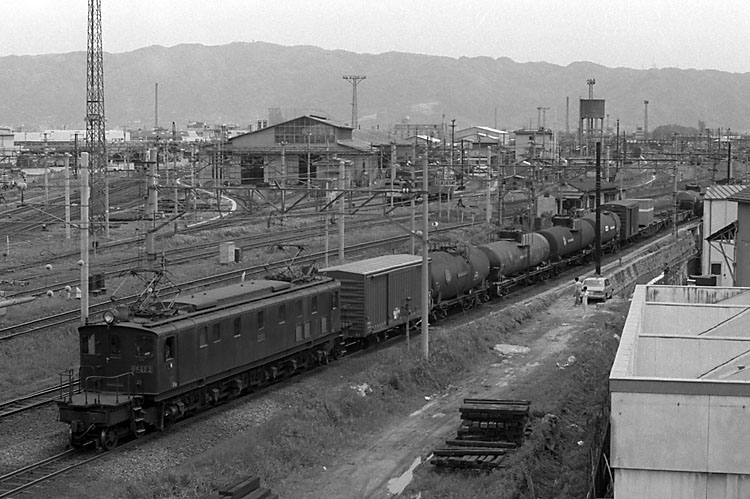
(107,425)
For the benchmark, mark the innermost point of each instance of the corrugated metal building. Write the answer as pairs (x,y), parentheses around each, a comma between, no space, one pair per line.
(680,394)
(718,252)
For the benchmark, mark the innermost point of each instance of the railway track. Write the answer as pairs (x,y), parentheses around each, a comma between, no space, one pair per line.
(32,400)
(69,316)
(18,482)
(187,254)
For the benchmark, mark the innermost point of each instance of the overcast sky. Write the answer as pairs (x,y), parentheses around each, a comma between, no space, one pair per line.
(640,34)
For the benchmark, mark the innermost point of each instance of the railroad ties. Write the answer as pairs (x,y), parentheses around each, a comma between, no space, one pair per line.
(489,429)
(246,488)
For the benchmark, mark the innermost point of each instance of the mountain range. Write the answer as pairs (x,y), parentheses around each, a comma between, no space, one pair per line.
(239,83)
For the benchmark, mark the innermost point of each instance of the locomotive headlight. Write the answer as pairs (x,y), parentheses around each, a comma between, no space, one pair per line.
(109,316)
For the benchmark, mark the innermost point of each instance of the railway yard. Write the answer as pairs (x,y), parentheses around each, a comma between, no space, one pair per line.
(364,426)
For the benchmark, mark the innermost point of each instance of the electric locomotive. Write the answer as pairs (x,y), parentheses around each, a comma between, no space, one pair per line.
(155,362)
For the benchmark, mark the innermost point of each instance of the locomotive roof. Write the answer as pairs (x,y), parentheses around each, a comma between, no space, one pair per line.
(230,294)
(376,265)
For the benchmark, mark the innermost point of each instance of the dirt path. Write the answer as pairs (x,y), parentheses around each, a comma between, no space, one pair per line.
(386,456)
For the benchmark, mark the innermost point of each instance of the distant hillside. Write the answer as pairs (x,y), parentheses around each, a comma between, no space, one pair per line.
(238,83)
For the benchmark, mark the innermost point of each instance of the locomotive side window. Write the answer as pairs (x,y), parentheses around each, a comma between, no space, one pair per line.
(216,333)
(298,307)
(282,313)
(314,304)
(114,345)
(203,337)
(88,344)
(237,326)
(169,348)
(261,324)
(144,345)
(335,300)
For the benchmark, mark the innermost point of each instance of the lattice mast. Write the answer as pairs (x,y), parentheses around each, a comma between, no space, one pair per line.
(96,141)
(354,80)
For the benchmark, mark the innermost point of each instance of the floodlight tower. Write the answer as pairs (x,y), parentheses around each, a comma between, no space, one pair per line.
(96,141)
(354,80)
(645,120)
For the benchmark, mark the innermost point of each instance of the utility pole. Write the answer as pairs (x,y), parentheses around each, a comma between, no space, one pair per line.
(66,160)
(84,231)
(425,264)
(354,80)
(488,214)
(342,208)
(597,204)
(645,120)
(96,140)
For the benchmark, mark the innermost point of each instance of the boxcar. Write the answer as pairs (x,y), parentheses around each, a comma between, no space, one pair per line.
(379,293)
(628,212)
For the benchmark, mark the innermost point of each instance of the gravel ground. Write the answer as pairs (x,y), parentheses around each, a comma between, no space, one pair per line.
(163,452)
(29,437)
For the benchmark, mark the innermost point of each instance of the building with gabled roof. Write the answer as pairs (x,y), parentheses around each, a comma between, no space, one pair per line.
(304,149)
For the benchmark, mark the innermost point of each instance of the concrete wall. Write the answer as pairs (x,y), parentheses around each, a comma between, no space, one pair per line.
(654,484)
(697,294)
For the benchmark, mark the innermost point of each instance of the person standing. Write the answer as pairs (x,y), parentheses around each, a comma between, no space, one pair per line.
(585,299)
(577,291)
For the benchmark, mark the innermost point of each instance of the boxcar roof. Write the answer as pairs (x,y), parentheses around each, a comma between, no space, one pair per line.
(232,293)
(376,265)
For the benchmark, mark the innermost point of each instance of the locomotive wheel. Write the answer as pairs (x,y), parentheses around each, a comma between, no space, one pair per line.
(108,439)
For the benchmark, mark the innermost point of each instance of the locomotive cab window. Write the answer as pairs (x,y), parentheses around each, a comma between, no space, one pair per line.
(314,305)
(335,300)
(114,345)
(216,333)
(237,326)
(203,337)
(144,345)
(88,344)
(169,348)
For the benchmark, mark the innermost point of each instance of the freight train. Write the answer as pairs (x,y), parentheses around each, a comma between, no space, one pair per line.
(156,361)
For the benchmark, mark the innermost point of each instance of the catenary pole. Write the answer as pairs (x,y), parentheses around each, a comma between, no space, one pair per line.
(425,264)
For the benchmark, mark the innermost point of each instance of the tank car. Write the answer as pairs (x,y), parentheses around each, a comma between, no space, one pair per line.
(509,257)
(609,227)
(458,275)
(690,201)
(153,363)
(564,242)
